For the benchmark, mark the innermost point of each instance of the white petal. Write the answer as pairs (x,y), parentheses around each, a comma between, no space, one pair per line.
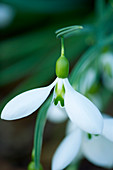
(60,83)
(78,158)
(56,114)
(26,103)
(70,127)
(82,111)
(108,128)
(67,150)
(99,151)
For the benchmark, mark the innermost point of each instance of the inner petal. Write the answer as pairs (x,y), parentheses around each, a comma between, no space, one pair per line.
(59,93)
(59,99)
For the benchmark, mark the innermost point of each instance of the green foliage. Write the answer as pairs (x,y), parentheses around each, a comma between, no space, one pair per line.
(40,123)
(68,31)
(29,49)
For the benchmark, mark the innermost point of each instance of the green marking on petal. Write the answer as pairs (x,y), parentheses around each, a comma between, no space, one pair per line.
(89,136)
(59,95)
(60,99)
(96,135)
(60,91)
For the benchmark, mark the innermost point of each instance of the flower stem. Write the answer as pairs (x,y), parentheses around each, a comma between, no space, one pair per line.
(39,129)
(62,46)
(100,7)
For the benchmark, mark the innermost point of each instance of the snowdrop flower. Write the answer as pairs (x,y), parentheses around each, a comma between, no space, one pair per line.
(97,149)
(78,108)
(106,61)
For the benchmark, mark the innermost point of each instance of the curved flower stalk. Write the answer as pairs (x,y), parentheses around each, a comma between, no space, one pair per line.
(106,61)
(79,109)
(77,144)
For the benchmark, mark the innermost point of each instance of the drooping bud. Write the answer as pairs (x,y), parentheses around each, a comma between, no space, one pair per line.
(62,67)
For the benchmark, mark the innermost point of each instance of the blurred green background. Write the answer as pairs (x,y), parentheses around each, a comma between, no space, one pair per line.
(28,52)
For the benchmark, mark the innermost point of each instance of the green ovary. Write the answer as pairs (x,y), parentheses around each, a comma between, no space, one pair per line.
(62,67)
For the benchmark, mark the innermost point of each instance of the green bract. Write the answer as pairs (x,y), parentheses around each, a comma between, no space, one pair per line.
(31,166)
(33,154)
(62,67)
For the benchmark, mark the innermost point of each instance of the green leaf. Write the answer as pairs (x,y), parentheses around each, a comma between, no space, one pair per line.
(108,40)
(36,62)
(64,32)
(84,61)
(87,58)
(20,46)
(43,6)
(28,65)
(40,123)
(68,28)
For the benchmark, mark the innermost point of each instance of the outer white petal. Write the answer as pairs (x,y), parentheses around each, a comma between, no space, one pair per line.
(99,151)
(26,103)
(82,111)
(108,128)
(67,151)
(71,127)
(56,114)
